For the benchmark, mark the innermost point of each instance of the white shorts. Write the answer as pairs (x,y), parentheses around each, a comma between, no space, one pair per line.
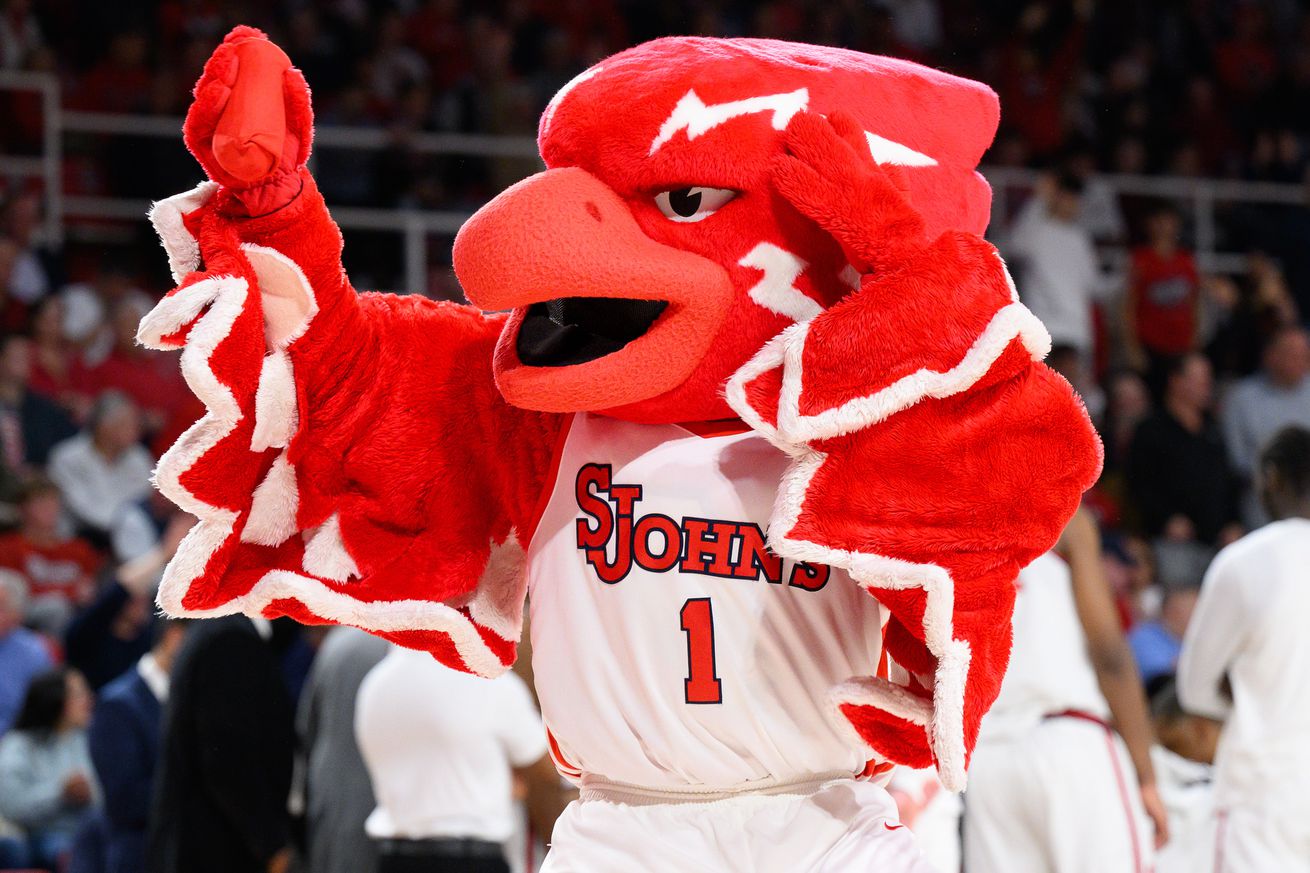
(1255,839)
(835,826)
(1062,798)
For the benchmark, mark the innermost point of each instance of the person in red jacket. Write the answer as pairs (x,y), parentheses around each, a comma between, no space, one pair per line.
(1163,298)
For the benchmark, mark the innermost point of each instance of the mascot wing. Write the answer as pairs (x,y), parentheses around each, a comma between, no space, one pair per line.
(356,464)
(933,455)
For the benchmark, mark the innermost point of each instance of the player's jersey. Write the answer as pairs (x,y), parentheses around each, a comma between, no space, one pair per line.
(671,649)
(1050,670)
(1248,633)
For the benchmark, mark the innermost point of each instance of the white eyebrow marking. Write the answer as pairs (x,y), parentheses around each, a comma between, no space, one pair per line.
(692,115)
(886,151)
(776,290)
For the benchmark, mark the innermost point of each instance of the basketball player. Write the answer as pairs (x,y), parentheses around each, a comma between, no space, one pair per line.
(1053,787)
(1246,660)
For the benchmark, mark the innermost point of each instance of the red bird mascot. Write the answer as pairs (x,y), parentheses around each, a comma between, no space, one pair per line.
(745,406)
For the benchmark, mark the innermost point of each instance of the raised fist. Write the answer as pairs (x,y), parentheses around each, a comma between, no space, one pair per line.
(251,124)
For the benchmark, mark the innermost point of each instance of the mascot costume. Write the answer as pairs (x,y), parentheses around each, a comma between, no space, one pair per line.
(744,407)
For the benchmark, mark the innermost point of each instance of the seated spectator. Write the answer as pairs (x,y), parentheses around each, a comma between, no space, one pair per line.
(59,570)
(1157,643)
(1263,404)
(13,311)
(57,369)
(46,784)
(124,738)
(30,425)
(22,653)
(152,380)
(116,630)
(1162,300)
(1178,474)
(1258,308)
(29,280)
(104,471)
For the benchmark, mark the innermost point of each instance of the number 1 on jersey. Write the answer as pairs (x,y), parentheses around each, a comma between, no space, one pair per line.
(702,683)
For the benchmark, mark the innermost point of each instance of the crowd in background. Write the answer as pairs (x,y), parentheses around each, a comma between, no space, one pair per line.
(1187,374)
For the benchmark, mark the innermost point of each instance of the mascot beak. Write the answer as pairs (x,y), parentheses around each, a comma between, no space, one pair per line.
(603,315)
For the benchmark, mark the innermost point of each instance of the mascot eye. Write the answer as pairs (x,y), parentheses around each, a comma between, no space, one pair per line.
(692,204)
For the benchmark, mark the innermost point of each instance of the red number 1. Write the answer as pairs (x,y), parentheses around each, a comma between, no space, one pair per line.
(702,683)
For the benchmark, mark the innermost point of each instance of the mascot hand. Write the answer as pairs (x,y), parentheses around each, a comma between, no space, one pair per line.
(251,124)
(830,176)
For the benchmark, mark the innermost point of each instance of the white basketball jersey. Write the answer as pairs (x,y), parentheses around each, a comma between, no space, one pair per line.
(1050,670)
(671,649)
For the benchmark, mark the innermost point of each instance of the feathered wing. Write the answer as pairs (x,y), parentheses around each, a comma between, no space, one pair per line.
(356,467)
(933,456)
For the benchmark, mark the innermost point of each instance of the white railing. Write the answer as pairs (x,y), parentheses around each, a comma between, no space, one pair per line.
(1199,196)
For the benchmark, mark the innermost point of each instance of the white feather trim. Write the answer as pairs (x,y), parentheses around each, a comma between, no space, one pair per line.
(273,507)
(166,217)
(325,552)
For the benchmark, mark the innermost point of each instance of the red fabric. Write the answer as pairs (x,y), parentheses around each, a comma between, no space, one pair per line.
(67,568)
(977,483)
(461,468)
(1165,295)
(402,434)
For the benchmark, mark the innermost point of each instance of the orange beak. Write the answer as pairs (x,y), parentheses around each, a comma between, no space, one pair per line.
(565,241)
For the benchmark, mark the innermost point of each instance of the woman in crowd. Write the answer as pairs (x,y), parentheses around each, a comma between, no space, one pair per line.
(45,766)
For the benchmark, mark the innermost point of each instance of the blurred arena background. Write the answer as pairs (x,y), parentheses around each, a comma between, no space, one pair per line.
(1151,185)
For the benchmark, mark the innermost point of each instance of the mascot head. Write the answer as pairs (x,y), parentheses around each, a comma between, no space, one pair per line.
(654,256)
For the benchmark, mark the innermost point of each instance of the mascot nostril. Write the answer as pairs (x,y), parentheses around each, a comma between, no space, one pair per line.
(744,403)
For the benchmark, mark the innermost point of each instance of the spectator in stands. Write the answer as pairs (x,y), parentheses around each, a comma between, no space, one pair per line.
(1157,642)
(22,653)
(57,370)
(470,736)
(117,629)
(59,570)
(20,35)
(1058,272)
(225,762)
(46,782)
(104,471)
(30,425)
(124,740)
(1162,300)
(1263,404)
(337,793)
(1128,403)
(152,380)
(1258,307)
(1178,474)
(29,280)
(1246,661)
(13,312)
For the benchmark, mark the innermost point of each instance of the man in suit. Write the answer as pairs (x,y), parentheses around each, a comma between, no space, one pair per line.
(124,739)
(338,794)
(220,804)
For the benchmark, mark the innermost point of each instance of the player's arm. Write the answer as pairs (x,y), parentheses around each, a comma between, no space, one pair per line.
(356,464)
(933,455)
(1215,635)
(547,795)
(1111,657)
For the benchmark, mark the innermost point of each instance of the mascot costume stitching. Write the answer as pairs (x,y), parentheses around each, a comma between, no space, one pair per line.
(745,407)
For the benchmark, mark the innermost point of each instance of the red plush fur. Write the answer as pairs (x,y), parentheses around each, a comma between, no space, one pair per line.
(366,470)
